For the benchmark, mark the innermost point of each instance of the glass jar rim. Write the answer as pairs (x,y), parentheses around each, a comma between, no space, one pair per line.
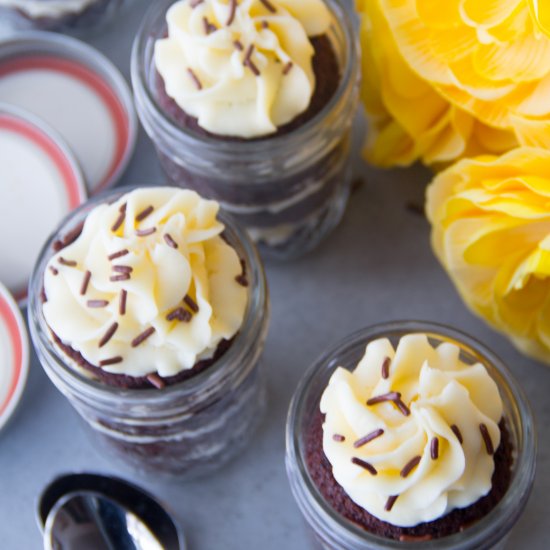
(340,16)
(524,458)
(257,303)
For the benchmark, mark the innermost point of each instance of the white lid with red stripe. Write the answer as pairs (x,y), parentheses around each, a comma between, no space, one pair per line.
(40,184)
(79,93)
(14,356)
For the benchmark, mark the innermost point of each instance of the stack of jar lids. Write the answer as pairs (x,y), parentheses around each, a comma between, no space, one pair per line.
(67,130)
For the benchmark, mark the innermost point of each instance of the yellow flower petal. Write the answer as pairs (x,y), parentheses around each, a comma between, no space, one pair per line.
(438,14)
(540,10)
(487,12)
(519,61)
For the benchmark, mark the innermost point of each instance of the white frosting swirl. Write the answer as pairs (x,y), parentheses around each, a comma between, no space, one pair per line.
(440,391)
(203,61)
(203,267)
(47,8)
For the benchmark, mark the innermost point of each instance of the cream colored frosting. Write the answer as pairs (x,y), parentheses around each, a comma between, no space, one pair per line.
(203,267)
(47,8)
(206,74)
(439,391)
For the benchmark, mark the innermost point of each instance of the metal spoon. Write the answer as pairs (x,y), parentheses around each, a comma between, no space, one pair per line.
(95,512)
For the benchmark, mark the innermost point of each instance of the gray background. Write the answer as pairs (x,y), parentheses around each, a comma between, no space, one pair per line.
(377,266)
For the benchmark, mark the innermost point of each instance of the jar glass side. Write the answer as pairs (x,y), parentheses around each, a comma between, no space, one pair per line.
(334,531)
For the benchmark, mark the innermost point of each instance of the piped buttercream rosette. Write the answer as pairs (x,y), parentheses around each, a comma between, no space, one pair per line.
(149,286)
(242,68)
(411,432)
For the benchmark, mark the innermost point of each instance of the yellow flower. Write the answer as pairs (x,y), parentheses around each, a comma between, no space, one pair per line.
(490,221)
(445,79)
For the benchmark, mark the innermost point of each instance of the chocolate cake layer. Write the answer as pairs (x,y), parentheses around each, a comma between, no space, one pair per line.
(456,521)
(327,79)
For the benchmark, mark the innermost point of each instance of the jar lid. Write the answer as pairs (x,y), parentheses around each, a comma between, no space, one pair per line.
(41,183)
(14,356)
(79,93)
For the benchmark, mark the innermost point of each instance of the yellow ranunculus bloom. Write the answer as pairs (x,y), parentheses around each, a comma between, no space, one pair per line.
(445,79)
(491,231)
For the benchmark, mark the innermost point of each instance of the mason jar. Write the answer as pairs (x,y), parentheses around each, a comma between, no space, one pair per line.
(288,190)
(72,16)
(186,428)
(330,530)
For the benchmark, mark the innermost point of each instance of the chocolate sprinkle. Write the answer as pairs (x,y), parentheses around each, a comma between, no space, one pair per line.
(191,304)
(368,438)
(415,538)
(145,232)
(487,438)
(410,466)
(434,448)
(68,263)
(195,78)
(390,502)
(269,6)
(391,396)
(208,27)
(118,254)
(265,25)
(142,337)
(122,302)
(242,280)
(123,269)
(402,407)
(97,303)
(120,219)
(252,66)
(456,431)
(121,277)
(248,55)
(179,314)
(338,438)
(143,214)
(170,241)
(365,465)
(53,270)
(156,381)
(238,45)
(85,283)
(287,68)
(232,12)
(111,361)
(108,335)
(386,368)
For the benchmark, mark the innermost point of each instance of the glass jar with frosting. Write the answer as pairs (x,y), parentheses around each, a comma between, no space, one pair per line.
(251,102)
(149,310)
(57,15)
(410,433)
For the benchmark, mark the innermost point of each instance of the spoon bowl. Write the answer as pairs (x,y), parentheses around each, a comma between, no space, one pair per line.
(96,512)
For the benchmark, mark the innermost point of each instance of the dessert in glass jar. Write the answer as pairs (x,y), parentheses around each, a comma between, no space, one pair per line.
(149,311)
(407,433)
(251,103)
